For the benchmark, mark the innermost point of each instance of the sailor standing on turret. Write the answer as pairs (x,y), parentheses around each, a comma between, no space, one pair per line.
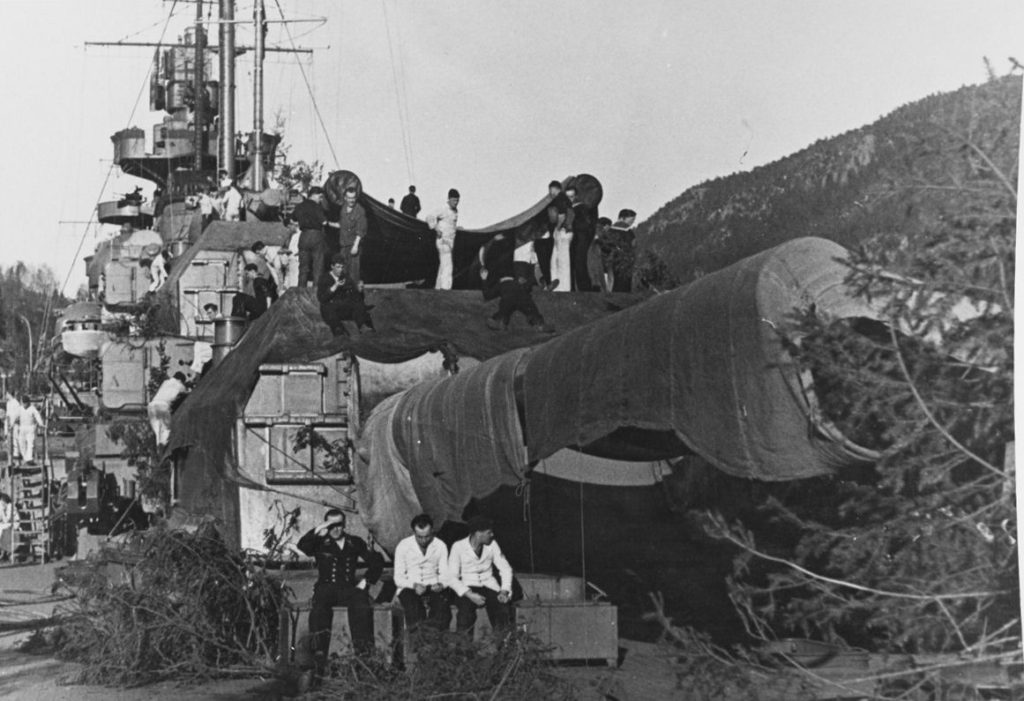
(445,222)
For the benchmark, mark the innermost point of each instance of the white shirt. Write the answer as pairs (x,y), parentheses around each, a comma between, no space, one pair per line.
(13,409)
(444,222)
(231,204)
(29,419)
(413,566)
(467,570)
(170,390)
(524,253)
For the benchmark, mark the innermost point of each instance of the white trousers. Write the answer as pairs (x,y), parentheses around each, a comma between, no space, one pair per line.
(444,270)
(160,421)
(27,443)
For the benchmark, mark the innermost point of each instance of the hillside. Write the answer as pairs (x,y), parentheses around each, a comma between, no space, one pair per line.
(899,174)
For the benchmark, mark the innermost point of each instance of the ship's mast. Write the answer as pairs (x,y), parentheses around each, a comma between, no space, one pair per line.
(226,64)
(260,16)
(199,91)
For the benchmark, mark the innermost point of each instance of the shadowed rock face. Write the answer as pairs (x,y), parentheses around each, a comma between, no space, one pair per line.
(845,188)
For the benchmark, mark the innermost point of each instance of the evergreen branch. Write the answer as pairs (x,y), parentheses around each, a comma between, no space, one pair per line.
(1003,283)
(931,418)
(1010,187)
(725,534)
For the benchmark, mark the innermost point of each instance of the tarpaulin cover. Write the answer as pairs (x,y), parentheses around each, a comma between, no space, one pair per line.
(387,499)
(399,248)
(461,436)
(409,323)
(705,363)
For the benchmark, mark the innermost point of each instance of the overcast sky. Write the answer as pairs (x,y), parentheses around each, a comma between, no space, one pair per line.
(493,97)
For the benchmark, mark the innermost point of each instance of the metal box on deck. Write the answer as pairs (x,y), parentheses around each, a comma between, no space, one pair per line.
(581,630)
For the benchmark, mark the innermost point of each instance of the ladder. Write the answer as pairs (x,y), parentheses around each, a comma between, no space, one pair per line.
(30,536)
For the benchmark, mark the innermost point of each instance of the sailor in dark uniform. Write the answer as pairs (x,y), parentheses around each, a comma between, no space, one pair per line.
(507,273)
(337,555)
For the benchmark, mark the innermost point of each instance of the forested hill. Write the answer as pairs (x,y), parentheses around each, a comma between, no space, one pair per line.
(900,174)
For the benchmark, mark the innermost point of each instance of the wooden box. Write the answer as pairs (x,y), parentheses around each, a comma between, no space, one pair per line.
(573,630)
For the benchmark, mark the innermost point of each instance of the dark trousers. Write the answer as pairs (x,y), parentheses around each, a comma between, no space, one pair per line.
(430,606)
(543,248)
(351,308)
(513,296)
(321,617)
(247,306)
(578,249)
(312,256)
(351,262)
(465,611)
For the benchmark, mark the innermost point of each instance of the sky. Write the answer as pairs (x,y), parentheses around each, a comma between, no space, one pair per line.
(492,97)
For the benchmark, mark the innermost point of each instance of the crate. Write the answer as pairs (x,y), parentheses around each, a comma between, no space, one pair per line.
(572,630)
(388,631)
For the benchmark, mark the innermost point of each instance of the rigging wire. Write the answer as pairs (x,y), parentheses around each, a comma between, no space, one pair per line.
(309,87)
(402,117)
(110,170)
(405,95)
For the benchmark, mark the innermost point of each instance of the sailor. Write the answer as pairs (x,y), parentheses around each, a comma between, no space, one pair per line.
(155,263)
(251,306)
(558,211)
(340,299)
(29,423)
(230,198)
(410,203)
(337,556)
(391,202)
(620,245)
(471,565)
(352,229)
(445,222)
(13,408)
(264,267)
(561,258)
(599,256)
(159,408)
(310,216)
(211,311)
(6,525)
(507,271)
(584,226)
(421,571)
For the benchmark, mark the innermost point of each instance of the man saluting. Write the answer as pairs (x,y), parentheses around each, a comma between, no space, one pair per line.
(337,555)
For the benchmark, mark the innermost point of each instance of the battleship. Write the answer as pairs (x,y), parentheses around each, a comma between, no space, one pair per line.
(572,441)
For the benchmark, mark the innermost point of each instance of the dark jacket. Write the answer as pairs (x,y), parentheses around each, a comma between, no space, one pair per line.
(410,205)
(338,565)
(324,295)
(308,214)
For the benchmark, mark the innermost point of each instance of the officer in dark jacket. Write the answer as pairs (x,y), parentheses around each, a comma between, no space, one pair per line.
(337,555)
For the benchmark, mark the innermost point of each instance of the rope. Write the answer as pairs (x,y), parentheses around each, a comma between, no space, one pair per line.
(523,490)
(309,87)
(110,170)
(406,139)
